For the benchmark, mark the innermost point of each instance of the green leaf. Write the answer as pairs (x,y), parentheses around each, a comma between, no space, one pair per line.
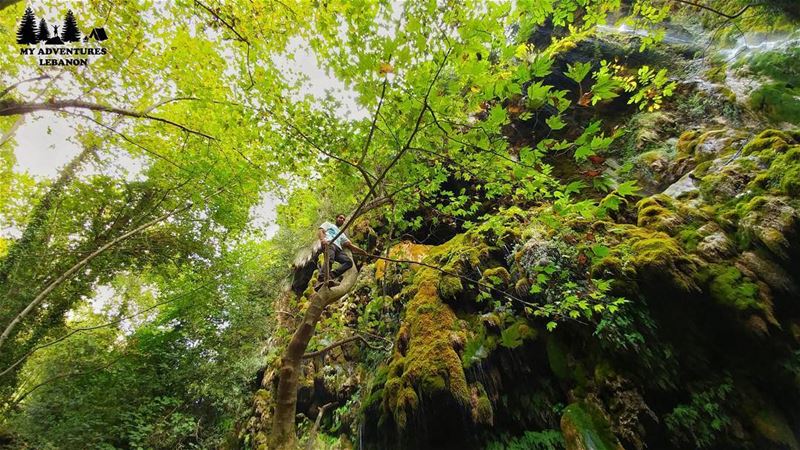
(628,188)
(578,71)
(537,94)
(521,51)
(604,87)
(497,116)
(574,187)
(540,65)
(555,123)
(583,152)
(511,337)
(600,251)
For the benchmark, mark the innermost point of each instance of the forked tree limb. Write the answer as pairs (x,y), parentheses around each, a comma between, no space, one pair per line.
(312,434)
(283,434)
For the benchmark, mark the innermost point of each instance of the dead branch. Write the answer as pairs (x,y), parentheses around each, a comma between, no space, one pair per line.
(312,435)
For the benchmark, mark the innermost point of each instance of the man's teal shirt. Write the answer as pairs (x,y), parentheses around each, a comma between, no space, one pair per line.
(332,230)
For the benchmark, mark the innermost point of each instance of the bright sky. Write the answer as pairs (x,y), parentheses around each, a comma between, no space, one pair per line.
(43,145)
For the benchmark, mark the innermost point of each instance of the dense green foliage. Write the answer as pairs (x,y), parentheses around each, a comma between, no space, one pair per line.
(588,241)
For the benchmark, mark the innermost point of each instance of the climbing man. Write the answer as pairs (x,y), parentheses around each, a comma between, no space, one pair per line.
(334,251)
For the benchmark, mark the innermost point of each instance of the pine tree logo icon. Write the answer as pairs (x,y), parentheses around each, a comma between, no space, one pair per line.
(44,31)
(26,33)
(70,31)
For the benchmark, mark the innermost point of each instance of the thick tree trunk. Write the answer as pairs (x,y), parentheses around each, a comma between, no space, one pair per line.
(283,434)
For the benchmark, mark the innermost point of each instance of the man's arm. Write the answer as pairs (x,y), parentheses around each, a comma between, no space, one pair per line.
(322,237)
(355,249)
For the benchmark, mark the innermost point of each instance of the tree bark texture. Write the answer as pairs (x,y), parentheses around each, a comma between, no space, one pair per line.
(283,435)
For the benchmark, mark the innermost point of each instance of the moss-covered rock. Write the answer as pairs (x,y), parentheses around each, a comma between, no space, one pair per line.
(775,140)
(659,258)
(585,427)
(654,215)
(405,250)
(778,101)
(425,364)
(710,267)
(497,275)
(688,141)
(712,243)
(759,267)
(482,411)
(728,286)
(771,222)
(783,175)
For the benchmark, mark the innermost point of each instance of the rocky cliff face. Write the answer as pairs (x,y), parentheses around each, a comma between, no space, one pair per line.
(668,320)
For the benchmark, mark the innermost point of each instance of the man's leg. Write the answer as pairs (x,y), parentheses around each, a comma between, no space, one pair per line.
(327,275)
(329,258)
(344,262)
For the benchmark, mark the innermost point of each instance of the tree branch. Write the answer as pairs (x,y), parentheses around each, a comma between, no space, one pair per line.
(718,12)
(377,203)
(312,434)
(15,108)
(374,122)
(5,91)
(13,129)
(321,352)
(63,375)
(238,36)
(474,146)
(399,154)
(368,177)
(224,22)
(132,142)
(80,264)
